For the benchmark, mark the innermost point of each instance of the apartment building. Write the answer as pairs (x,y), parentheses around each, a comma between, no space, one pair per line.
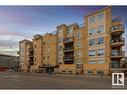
(70,48)
(24,54)
(103,43)
(49,53)
(38,55)
(92,48)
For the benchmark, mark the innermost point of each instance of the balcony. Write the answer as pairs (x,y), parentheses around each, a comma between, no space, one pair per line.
(68,49)
(117,29)
(68,40)
(68,58)
(31,62)
(118,67)
(116,54)
(31,49)
(117,42)
(31,55)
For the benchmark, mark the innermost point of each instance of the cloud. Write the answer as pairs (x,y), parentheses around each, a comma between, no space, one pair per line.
(9,41)
(6,31)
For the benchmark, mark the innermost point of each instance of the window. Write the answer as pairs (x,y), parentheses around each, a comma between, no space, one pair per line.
(92,31)
(92,62)
(78,62)
(70,31)
(100,52)
(115,28)
(59,48)
(100,16)
(101,40)
(60,32)
(100,29)
(92,53)
(100,61)
(92,42)
(78,35)
(92,19)
(100,73)
(78,53)
(60,39)
(115,53)
(78,44)
(89,72)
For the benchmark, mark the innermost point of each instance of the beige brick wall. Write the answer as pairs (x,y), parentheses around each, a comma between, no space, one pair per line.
(107,23)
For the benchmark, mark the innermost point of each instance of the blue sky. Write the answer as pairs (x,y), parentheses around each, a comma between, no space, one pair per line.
(20,22)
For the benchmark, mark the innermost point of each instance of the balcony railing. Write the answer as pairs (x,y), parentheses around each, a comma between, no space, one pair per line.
(119,54)
(31,49)
(117,66)
(68,49)
(31,62)
(31,55)
(66,40)
(117,42)
(117,29)
(68,58)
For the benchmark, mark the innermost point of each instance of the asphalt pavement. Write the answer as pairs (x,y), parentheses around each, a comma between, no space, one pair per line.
(18,80)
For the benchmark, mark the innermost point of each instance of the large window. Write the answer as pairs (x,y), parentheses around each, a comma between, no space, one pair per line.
(92,31)
(92,53)
(100,61)
(100,52)
(100,16)
(92,62)
(100,29)
(101,40)
(92,42)
(92,19)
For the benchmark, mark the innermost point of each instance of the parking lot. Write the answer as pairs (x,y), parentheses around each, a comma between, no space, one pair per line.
(17,80)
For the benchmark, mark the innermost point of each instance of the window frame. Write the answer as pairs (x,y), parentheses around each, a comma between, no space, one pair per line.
(99,40)
(90,44)
(100,54)
(92,55)
(92,61)
(100,29)
(101,62)
(92,19)
(100,17)
(92,31)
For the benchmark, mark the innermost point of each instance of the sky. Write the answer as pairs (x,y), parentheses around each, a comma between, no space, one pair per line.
(22,22)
